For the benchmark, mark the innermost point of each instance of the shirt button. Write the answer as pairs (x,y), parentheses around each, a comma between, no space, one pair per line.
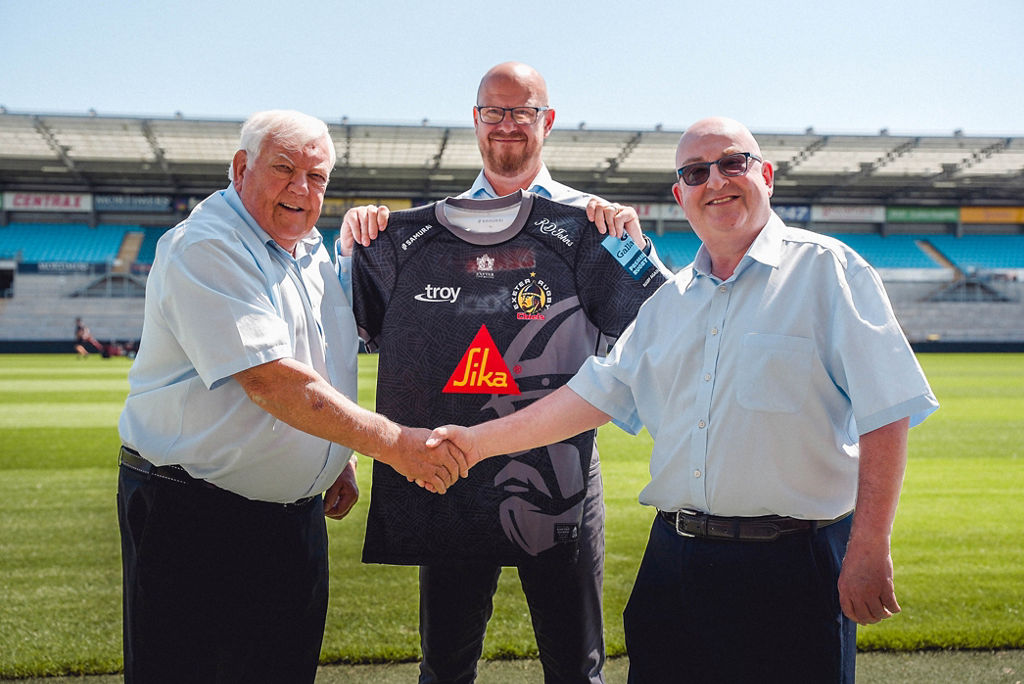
(714,331)
(722,288)
(701,424)
(696,473)
(707,376)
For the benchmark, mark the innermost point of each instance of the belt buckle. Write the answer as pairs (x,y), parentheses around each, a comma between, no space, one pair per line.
(702,523)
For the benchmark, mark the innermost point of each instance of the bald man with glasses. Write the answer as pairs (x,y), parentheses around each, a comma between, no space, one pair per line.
(779,389)
(512,118)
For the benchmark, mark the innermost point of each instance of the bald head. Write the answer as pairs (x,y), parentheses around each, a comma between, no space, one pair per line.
(726,210)
(514,76)
(511,150)
(716,126)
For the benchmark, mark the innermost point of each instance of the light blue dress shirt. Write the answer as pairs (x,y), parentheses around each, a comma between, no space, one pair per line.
(756,389)
(542,185)
(545,186)
(223,297)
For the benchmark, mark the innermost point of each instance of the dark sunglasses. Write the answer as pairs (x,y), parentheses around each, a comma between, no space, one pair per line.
(698,173)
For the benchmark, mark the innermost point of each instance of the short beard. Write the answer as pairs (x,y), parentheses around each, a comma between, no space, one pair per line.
(507,162)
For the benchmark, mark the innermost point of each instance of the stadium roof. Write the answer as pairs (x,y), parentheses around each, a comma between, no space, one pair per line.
(190,156)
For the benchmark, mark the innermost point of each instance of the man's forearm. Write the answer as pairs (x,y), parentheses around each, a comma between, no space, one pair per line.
(560,415)
(294,393)
(883,460)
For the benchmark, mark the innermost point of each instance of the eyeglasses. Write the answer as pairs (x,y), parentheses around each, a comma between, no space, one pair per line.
(730,165)
(524,116)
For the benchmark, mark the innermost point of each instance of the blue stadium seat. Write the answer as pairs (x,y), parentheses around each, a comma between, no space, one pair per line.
(981,251)
(147,251)
(894,251)
(71,242)
(676,250)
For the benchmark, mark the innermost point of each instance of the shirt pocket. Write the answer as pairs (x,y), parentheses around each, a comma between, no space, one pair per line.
(774,373)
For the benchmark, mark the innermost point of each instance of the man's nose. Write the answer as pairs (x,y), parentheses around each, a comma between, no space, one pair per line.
(717,179)
(506,123)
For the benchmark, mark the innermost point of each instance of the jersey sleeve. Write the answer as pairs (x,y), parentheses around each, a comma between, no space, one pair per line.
(614,277)
(374,272)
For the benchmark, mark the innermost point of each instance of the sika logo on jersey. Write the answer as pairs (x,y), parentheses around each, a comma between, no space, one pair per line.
(530,297)
(481,370)
(434,293)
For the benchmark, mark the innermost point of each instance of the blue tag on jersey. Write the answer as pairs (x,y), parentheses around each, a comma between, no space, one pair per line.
(628,254)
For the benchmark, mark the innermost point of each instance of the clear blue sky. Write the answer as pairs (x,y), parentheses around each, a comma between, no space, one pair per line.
(853,67)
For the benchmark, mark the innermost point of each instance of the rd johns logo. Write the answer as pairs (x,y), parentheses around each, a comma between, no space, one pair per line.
(481,370)
(530,297)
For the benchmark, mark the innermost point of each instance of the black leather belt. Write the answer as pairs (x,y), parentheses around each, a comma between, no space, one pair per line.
(175,473)
(133,461)
(763,528)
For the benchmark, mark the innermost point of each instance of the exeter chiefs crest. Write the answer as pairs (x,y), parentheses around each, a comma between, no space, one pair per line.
(530,297)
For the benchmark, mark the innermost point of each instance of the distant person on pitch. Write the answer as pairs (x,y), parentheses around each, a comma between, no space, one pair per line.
(83,337)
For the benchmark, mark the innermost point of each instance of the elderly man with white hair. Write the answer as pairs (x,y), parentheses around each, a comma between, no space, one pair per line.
(241,413)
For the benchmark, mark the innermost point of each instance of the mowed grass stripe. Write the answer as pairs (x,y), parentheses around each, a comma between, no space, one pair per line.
(956,544)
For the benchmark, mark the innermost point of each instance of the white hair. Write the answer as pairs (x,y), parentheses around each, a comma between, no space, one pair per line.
(288,127)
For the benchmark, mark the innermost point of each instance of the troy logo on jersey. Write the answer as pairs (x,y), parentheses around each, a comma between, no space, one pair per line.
(481,370)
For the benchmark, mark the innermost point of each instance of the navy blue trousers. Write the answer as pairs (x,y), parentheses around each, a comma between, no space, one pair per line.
(219,588)
(710,611)
(564,600)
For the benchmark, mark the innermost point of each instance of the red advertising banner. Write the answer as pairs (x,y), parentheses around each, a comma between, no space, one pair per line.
(47,201)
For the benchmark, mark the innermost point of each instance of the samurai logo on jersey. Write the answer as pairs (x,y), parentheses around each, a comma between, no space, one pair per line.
(416,236)
(530,297)
(481,370)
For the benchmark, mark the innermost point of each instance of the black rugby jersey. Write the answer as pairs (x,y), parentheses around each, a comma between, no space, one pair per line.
(471,326)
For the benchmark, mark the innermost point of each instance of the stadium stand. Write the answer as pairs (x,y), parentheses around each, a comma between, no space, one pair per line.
(44,309)
(981,252)
(846,154)
(950,280)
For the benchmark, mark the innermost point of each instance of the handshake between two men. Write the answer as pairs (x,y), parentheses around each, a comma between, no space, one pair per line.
(454,449)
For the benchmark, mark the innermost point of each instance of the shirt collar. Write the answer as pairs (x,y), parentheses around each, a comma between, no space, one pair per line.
(542,185)
(307,245)
(765,249)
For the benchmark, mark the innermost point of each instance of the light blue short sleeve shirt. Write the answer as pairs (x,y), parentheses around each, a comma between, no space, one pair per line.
(223,297)
(757,388)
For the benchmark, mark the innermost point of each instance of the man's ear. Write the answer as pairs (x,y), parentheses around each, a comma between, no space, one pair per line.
(768,173)
(677,192)
(238,169)
(549,121)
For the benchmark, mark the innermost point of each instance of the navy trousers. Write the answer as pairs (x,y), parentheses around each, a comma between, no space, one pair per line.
(564,600)
(708,611)
(219,588)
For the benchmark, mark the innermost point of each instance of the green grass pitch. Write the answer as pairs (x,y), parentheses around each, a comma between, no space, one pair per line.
(956,545)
